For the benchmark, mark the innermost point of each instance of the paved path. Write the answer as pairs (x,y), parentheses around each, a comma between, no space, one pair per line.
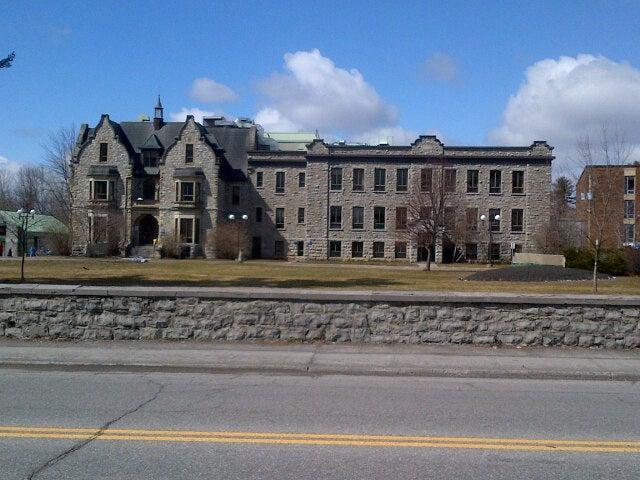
(154,425)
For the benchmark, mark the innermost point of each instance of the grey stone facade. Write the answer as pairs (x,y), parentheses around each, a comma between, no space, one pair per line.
(220,162)
(94,313)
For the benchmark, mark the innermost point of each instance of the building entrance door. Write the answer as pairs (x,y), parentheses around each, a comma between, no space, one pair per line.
(147,230)
(256,247)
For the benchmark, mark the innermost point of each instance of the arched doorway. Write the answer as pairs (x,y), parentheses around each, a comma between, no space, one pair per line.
(147,230)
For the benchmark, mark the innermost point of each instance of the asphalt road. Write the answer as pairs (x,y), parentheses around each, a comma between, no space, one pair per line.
(186,425)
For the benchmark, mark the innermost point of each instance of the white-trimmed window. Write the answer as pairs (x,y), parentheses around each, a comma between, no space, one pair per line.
(187,229)
(187,191)
(102,190)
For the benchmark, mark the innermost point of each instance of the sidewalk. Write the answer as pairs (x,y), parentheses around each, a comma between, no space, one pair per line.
(320,359)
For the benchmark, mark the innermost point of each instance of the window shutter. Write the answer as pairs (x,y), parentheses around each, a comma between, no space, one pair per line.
(177,191)
(175,230)
(197,199)
(112,186)
(91,189)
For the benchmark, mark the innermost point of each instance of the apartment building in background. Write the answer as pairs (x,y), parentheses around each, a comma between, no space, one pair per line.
(608,197)
(303,197)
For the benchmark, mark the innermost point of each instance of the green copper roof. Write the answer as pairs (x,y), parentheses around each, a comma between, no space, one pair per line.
(39,224)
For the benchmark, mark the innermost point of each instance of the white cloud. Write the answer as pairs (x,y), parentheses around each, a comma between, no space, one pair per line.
(9,165)
(209,91)
(315,94)
(392,135)
(441,67)
(562,99)
(196,112)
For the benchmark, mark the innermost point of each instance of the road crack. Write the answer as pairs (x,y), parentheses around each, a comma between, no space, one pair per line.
(58,458)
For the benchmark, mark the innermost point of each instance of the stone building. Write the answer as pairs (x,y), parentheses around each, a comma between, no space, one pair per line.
(608,204)
(137,184)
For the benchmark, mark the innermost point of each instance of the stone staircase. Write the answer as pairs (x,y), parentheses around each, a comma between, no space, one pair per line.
(144,251)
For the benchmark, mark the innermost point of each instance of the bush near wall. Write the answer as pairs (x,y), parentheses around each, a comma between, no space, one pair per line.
(624,261)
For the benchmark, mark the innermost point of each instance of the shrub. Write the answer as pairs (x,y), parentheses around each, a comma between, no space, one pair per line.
(612,262)
(227,236)
(170,247)
(632,258)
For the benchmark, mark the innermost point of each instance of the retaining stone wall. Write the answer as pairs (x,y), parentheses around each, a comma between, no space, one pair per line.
(85,316)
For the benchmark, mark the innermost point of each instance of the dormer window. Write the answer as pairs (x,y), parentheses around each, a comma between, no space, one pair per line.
(150,158)
(188,153)
(104,149)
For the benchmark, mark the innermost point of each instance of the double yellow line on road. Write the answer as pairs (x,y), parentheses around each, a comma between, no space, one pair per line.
(353,440)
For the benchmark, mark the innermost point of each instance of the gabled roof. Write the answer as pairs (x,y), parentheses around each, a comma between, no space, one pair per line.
(151,143)
(39,224)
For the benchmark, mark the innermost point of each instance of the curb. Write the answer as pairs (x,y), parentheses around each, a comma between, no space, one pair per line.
(325,371)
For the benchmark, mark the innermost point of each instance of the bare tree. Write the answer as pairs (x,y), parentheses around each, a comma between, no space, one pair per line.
(560,232)
(30,190)
(7,190)
(18,226)
(431,218)
(58,151)
(600,157)
(6,61)
(229,237)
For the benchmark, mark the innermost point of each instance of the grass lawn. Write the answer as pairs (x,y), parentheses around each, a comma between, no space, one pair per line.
(279,274)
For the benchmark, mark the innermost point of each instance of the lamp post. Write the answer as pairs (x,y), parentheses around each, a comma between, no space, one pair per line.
(483,218)
(232,217)
(23,217)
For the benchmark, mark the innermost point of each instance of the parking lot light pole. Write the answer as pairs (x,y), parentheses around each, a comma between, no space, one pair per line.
(483,218)
(245,217)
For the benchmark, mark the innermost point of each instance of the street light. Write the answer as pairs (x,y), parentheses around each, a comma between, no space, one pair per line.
(232,217)
(23,218)
(483,218)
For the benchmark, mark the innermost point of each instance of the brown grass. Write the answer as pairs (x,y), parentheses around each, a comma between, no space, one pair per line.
(92,271)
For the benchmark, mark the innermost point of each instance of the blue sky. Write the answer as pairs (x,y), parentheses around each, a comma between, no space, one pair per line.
(444,67)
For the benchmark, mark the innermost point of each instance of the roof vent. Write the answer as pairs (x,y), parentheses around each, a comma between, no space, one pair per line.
(244,122)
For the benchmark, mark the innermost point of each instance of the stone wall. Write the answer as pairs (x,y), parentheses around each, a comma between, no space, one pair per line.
(69,312)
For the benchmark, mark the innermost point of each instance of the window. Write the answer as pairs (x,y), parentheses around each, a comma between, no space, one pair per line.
(426,179)
(186,191)
(401,218)
(450,180)
(629,233)
(401,250)
(358,179)
(235,195)
(259,179)
(300,214)
(472,181)
(494,251)
(629,185)
(335,217)
(425,213)
(517,182)
(472,219)
(300,248)
(278,250)
(494,224)
(279,217)
(104,149)
(402,179)
(150,158)
(378,249)
(336,178)
(517,220)
(335,248)
(357,218)
(186,230)
(495,181)
(100,190)
(629,209)
(378,218)
(302,179)
(3,229)
(258,214)
(379,179)
(517,248)
(149,189)
(279,182)
(188,153)
(449,218)
(471,251)
(357,249)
